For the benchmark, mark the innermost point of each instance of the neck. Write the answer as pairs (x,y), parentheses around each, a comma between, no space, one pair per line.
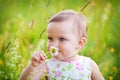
(72,58)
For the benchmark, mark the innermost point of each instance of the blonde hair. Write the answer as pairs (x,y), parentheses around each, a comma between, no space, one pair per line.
(78,19)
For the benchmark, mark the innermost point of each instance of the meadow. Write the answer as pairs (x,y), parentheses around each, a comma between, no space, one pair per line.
(23,30)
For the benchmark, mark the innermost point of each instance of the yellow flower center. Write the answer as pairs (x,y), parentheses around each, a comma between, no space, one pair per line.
(53,50)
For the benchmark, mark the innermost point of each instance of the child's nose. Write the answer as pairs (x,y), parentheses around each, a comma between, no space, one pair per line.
(56,43)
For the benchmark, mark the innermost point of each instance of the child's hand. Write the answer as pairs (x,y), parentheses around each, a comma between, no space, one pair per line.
(38,58)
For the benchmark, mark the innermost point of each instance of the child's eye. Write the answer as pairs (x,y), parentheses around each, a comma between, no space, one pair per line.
(50,38)
(62,39)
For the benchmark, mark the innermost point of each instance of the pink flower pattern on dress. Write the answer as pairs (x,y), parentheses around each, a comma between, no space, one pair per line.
(58,65)
(53,59)
(79,66)
(58,73)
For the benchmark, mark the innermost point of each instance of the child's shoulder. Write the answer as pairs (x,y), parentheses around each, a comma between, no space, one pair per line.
(85,58)
(88,60)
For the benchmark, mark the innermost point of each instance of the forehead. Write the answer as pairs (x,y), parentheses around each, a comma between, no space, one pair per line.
(65,26)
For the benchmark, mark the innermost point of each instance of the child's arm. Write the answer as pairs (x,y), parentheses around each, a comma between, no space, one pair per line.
(96,74)
(36,68)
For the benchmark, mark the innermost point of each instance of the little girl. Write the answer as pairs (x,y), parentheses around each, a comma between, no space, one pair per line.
(66,34)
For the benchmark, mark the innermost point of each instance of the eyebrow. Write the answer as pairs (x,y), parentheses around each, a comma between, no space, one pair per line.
(58,36)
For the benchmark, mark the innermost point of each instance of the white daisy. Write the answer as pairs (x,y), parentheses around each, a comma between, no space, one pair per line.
(53,51)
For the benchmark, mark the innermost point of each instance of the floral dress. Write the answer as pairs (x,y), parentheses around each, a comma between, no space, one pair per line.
(72,70)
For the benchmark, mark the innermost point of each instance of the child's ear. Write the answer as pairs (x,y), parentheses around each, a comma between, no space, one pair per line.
(82,42)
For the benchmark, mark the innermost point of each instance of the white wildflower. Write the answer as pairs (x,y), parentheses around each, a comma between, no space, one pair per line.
(53,51)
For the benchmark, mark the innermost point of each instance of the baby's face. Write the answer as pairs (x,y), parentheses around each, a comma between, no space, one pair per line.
(63,36)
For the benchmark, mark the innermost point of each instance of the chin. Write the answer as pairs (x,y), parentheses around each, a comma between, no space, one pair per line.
(59,58)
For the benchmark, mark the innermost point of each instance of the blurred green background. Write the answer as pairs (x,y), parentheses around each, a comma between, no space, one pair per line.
(22,23)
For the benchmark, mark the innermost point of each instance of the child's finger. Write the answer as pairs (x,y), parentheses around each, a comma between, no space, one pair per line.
(35,57)
(35,60)
(42,56)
